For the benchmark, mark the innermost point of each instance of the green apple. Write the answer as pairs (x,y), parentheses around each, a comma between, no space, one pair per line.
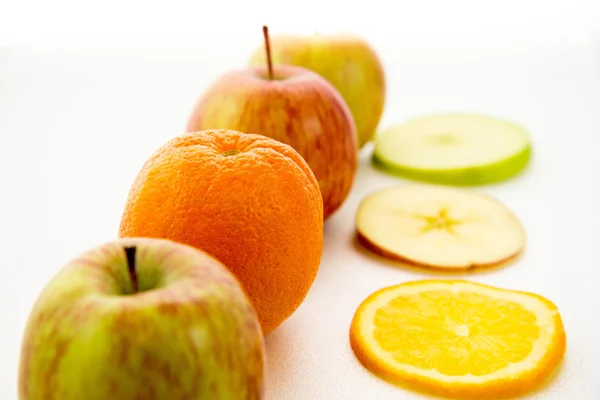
(347,61)
(454,149)
(144,319)
(295,106)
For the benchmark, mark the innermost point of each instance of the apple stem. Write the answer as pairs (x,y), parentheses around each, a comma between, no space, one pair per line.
(268,48)
(130,253)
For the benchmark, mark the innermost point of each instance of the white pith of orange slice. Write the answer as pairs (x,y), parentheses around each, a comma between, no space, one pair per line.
(459,339)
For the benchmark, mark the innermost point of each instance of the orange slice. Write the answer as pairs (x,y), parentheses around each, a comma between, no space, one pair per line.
(459,339)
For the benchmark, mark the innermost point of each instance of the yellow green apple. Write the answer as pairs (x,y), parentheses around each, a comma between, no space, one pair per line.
(347,61)
(142,318)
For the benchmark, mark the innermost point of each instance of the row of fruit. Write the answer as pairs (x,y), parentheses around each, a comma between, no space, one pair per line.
(221,239)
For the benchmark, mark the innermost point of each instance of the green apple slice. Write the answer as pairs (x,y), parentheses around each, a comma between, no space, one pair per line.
(454,149)
(439,227)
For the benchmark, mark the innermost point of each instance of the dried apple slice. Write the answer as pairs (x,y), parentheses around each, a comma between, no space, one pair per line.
(456,149)
(439,227)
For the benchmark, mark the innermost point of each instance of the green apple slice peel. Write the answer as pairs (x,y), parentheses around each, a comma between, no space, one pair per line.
(454,149)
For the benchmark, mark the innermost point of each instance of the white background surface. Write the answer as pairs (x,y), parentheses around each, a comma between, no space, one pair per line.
(89,90)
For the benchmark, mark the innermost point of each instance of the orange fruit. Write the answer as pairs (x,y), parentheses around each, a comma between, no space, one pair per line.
(250,201)
(459,339)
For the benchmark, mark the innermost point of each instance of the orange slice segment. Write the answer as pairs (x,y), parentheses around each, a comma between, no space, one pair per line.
(459,339)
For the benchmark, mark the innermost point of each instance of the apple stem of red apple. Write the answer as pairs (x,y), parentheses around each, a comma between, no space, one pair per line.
(268,48)
(130,254)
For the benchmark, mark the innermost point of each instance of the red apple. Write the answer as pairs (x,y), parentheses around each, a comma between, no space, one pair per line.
(295,106)
(348,61)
